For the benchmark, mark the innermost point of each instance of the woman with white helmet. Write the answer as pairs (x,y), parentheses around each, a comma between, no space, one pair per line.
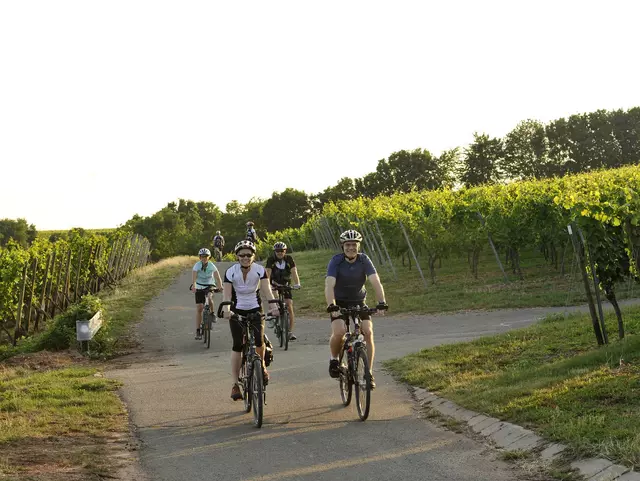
(344,287)
(243,283)
(203,275)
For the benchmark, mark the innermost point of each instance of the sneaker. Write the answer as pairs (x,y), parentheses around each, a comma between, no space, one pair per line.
(372,383)
(198,334)
(265,376)
(236,395)
(334,368)
(292,336)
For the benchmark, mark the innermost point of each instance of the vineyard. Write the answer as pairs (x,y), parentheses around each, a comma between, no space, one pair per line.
(592,218)
(39,282)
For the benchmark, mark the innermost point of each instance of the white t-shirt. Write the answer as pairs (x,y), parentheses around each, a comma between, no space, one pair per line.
(246,292)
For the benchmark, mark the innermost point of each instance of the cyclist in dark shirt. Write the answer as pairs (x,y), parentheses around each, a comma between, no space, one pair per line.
(344,287)
(281,268)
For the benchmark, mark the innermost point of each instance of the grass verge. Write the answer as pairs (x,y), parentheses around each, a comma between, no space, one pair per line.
(550,377)
(59,417)
(455,288)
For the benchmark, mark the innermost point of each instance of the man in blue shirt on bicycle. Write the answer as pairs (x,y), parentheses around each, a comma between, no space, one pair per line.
(344,287)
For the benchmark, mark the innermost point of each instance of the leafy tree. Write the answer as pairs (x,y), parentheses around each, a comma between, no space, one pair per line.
(481,160)
(526,152)
(289,208)
(18,230)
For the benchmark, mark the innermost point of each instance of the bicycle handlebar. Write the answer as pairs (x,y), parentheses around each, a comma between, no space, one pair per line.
(228,303)
(354,311)
(215,288)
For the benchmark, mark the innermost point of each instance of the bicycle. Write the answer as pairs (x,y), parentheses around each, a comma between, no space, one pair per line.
(281,326)
(354,362)
(217,253)
(254,392)
(208,317)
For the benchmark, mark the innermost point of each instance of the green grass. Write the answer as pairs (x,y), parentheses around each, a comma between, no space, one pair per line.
(550,377)
(455,288)
(58,415)
(57,402)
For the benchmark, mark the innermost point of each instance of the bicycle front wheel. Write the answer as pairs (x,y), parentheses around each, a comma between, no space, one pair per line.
(363,383)
(346,385)
(246,385)
(285,328)
(208,332)
(256,392)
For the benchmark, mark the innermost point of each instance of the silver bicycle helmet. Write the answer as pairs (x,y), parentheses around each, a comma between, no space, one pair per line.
(204,252)
(350,235)
(279,246)
(245,244)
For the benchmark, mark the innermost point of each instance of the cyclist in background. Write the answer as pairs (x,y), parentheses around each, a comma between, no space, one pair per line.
(251,233)
(218,245)
(242,284)
(204,273)
(281,268)
(344,287)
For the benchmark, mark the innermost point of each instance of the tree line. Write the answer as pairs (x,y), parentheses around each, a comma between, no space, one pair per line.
(532,150)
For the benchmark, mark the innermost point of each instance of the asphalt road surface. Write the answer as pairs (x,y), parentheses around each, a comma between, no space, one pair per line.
(178,394)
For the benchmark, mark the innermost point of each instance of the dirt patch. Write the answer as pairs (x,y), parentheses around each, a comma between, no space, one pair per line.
(69,458)
(45,360)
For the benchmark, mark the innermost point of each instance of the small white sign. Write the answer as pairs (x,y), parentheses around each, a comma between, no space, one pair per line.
(85,330)
(569,229)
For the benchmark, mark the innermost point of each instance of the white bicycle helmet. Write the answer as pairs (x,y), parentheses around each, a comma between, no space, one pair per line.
(279,246)
(204,252)
(245,244)
(350,235)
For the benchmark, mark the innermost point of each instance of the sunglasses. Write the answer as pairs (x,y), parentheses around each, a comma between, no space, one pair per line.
(279,251)
(244,255)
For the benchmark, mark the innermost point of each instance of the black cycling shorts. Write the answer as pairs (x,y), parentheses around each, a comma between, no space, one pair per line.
(237,331)
(201,295)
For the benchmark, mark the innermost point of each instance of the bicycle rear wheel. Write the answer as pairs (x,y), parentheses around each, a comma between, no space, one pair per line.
(363,383)
(346,385)
(246,385)
(256,392)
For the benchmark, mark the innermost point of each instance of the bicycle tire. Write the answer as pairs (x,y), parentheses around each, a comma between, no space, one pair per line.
(278,327)
(246,385)
(346,384)
(363,384)
(257,392)
(209,332)
(285,328)
(205,315)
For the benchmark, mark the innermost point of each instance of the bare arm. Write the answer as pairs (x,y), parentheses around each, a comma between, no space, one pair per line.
(194,275)
(377,287)
(218,279)
(329,285)
(226,297)
(294,276)
(266,288)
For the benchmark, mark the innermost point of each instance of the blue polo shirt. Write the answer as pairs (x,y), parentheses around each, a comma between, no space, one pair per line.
(350,276)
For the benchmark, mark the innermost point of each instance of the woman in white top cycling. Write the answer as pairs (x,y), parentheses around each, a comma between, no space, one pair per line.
(242,285)
(203,275)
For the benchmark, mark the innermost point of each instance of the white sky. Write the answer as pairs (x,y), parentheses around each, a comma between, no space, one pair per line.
(108,109)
